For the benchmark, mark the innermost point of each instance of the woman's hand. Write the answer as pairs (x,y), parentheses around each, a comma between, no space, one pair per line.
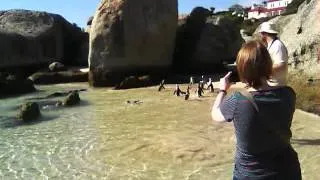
(225,82)
(216,113)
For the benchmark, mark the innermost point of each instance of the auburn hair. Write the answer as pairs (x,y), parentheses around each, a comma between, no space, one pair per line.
(254,63)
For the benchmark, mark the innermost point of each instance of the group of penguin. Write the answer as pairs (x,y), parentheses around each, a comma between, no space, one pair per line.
(199,91)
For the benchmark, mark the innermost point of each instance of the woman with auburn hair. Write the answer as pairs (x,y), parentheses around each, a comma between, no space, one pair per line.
(262,117)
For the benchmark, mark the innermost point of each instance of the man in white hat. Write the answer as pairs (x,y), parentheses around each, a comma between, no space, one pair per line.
(278,53)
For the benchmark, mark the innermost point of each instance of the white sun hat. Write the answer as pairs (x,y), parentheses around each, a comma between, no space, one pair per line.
(268,28)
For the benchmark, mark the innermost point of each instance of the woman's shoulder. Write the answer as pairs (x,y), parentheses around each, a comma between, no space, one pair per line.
(281,92)
(287,90)
(236,96)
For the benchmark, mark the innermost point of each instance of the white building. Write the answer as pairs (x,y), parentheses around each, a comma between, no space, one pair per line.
(257,12)
(272,8)
(276,7)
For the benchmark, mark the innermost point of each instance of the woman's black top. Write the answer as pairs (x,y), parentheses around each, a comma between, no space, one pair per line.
(263,149)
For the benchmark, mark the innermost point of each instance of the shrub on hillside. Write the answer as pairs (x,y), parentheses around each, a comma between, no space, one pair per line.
(250,25)
(292,8)
(307,92)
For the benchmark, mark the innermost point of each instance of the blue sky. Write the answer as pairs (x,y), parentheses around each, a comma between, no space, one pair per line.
(78,11)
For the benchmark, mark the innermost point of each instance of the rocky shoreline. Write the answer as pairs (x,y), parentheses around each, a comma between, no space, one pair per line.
(123,52)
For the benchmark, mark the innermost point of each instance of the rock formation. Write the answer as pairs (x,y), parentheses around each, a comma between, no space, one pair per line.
(89,23)
(204,41)
(128,37)
(72,99)
(13,85)
(30,38)
(67,76)
(302,47)
(134,82)
(56,66)
(29,112)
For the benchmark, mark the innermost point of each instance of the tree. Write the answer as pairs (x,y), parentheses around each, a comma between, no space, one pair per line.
(75,25)
(212,9)
(236,7)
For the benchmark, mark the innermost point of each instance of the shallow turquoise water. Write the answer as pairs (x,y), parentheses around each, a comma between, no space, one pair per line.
(106,138)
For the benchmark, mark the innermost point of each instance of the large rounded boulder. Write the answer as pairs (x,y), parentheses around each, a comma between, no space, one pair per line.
(204,41)
(33,38)
(128,37)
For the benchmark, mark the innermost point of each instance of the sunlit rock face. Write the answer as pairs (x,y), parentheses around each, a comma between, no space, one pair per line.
(31,38)
(130,37)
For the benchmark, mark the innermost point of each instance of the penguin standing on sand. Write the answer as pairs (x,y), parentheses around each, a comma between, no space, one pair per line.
(199,90)
(191,81)
(202,82)
(161,86)
(177,90)
(210,85)
(187,95)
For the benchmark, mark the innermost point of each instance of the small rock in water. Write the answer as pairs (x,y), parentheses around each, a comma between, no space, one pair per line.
(29,111)
(59,103)
(56,66)
(72,99)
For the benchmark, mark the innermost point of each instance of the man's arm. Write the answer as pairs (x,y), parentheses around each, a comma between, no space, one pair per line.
(280,59)
(280,67)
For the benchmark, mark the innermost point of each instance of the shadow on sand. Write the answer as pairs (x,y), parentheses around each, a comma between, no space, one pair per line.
(13,122)
(312,142)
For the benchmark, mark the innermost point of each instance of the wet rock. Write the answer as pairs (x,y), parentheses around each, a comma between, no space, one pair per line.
(59,103)
(59,77)
(56,66)
(29,111)
(57,94)
(72,99)
(16,86)
(134,82)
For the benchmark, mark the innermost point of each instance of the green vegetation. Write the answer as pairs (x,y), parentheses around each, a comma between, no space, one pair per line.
(292,8)
(236,8)
(308,97)
(250,25)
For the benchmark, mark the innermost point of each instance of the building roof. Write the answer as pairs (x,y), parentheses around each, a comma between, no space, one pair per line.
(259,9)
(264,10)
(276,9)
